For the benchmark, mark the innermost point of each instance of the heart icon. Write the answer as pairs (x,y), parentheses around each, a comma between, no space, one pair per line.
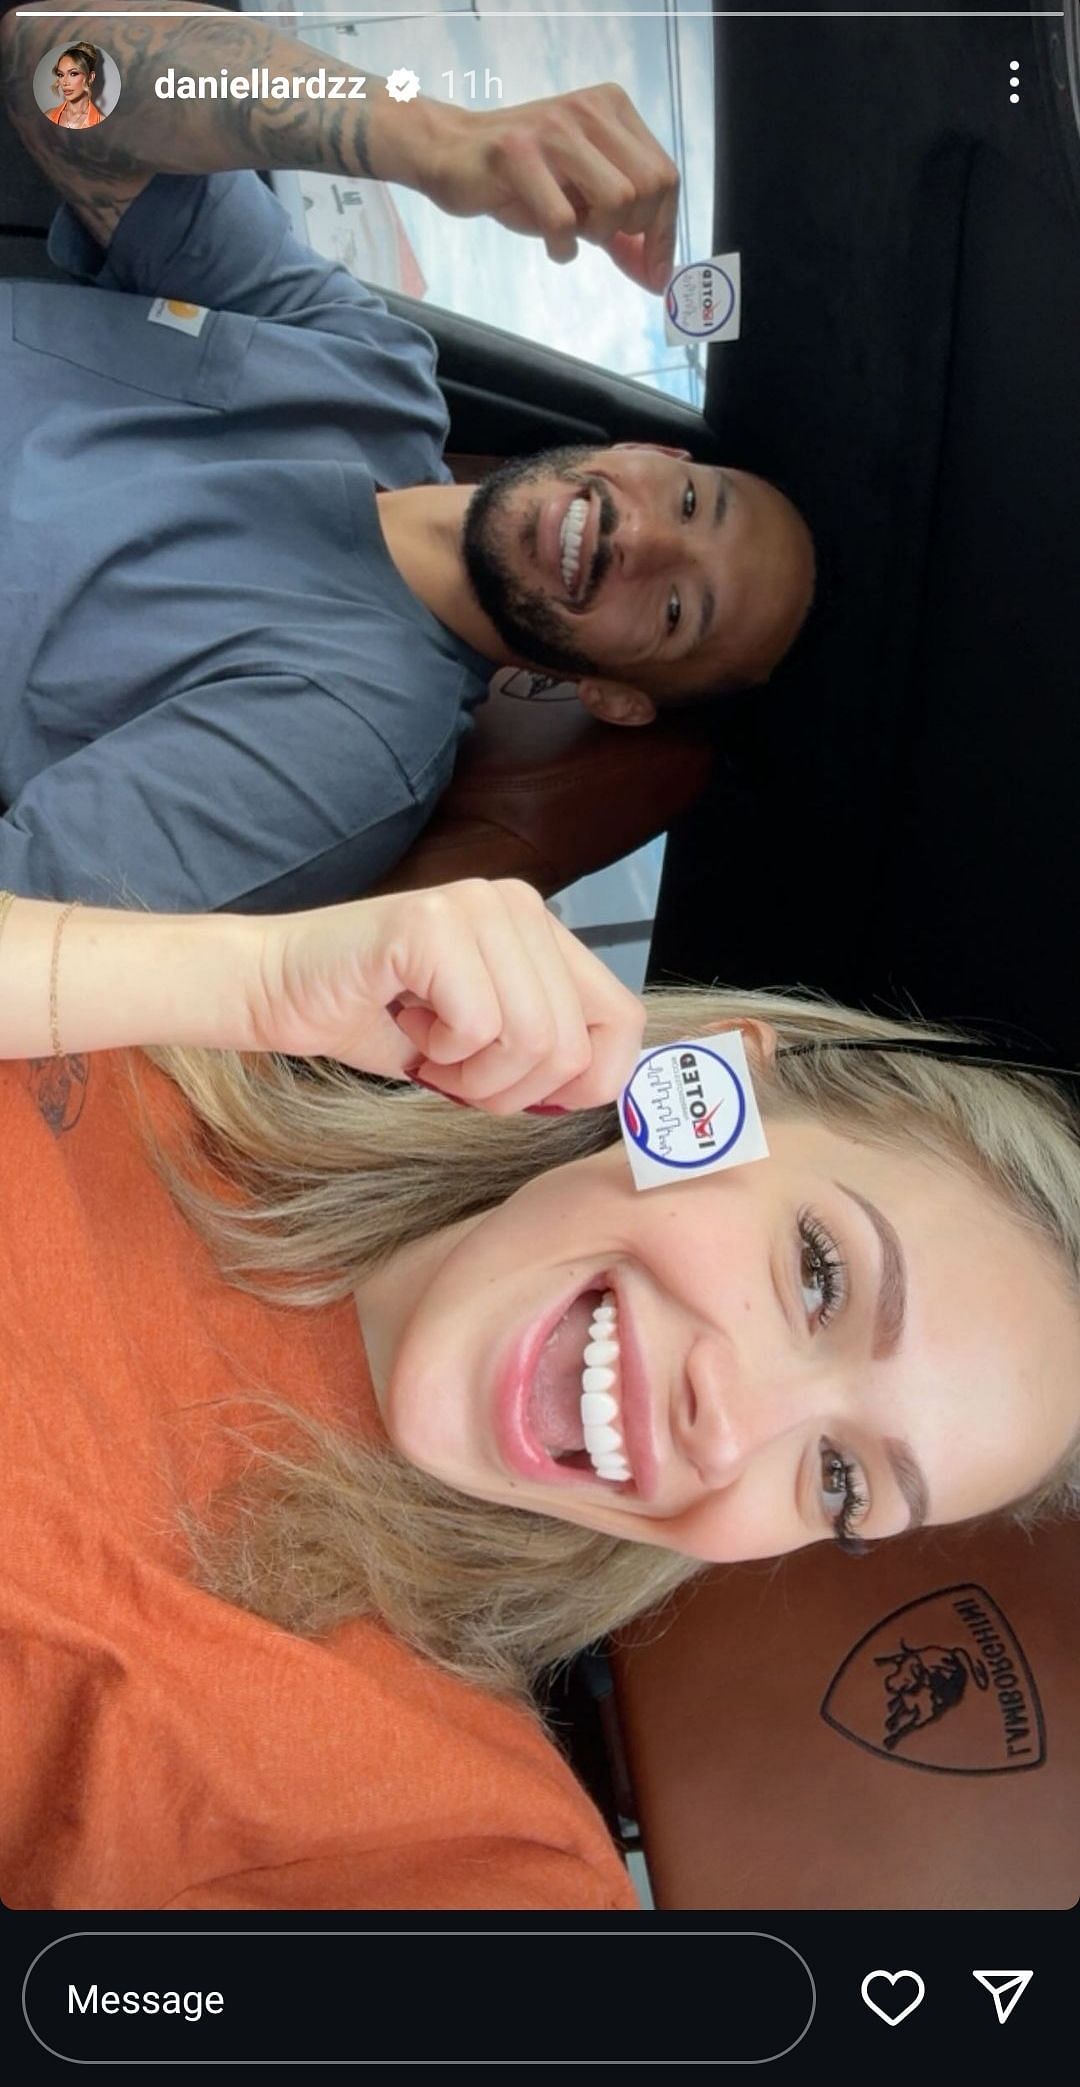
(895,2014)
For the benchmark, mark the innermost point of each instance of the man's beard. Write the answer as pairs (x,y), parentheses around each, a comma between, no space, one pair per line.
(527,622)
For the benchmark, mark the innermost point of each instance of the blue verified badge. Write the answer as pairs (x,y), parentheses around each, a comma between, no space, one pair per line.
(703,301)
(689,1109)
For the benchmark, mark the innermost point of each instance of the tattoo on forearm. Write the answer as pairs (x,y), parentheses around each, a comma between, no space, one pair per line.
(101,169)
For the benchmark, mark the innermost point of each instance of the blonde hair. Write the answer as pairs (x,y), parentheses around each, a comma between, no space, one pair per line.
(338,1172)
(87,57)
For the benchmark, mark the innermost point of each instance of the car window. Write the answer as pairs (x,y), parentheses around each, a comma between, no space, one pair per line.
(400,241)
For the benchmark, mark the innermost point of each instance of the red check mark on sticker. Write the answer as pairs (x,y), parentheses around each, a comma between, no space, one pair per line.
(703,1123)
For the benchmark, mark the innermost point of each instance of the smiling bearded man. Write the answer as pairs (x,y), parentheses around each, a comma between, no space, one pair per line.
(679,578)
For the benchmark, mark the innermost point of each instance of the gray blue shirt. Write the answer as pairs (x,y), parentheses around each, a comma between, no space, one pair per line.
(216,688)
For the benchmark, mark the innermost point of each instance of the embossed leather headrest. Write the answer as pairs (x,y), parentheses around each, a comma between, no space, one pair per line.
(896,1731)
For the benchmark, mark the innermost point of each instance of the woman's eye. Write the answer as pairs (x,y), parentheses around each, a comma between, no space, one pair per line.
(689,502)
(674,610)
(844,1498)
(834,1479)
(823,1276)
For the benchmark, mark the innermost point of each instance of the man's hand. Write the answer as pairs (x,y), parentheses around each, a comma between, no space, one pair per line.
(577,166)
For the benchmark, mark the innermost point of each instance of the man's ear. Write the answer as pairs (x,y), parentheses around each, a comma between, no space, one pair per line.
(616,702)
(663,449)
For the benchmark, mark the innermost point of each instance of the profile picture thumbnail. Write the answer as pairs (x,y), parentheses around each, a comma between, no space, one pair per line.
(77,85)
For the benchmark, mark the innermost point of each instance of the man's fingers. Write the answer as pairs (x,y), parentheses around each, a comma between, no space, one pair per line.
(562,248)
(649,174)
(659,241)
(617,197)
(585,166)
(605,197)
(538,200)
(627,250)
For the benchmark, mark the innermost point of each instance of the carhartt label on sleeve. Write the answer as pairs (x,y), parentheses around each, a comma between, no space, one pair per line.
(704,301)
(690,1108)
(175,311)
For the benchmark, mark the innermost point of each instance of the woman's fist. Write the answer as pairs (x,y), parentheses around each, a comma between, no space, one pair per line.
(474,988)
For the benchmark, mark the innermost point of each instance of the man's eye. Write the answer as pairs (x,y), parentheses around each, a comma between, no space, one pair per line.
(674,609)
(689,502)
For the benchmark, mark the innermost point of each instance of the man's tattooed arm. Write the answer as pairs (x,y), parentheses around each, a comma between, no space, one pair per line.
(101,170)
(571,166)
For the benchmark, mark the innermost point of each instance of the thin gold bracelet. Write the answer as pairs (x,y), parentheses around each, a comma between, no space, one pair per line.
(7,900)
(54,971)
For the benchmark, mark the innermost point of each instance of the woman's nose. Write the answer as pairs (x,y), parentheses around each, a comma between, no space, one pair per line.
(729,1412)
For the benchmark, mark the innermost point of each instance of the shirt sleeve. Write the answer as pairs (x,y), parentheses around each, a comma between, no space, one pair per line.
(255,793)
(225,241)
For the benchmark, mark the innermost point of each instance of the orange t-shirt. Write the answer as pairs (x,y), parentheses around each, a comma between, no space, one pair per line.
(158,1747)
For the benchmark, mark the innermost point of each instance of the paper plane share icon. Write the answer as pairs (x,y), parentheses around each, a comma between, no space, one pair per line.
(1004,1988)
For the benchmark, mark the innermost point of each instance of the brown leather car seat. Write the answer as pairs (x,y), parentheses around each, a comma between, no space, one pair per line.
(901,1730)
(544,792)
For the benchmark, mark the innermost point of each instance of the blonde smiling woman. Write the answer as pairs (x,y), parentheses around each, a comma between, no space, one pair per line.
(294,1450)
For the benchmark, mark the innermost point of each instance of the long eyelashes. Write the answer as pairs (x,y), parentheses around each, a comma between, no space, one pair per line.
(823,1266)
(842,1484)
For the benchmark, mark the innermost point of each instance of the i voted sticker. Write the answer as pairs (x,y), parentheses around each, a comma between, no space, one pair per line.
(688,1109)
(703,301)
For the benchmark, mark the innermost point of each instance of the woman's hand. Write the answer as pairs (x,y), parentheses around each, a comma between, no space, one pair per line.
(474,988)
(576,166)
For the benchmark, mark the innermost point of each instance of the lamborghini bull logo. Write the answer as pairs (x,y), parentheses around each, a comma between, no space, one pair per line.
(925,1681)
(941,1684)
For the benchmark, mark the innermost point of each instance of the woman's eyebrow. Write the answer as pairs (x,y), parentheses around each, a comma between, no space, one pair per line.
(892,1289)
(909,1476)
(888,1326)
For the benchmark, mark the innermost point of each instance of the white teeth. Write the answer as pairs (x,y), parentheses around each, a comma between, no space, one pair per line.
(570,540)
(600,1410)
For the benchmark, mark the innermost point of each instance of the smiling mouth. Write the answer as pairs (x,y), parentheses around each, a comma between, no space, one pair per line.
(571,549)
(572,546)
(574,1404)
